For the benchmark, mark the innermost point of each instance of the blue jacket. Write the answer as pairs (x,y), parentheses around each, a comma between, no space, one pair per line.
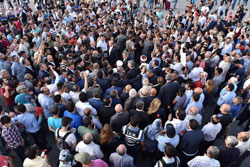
(119,90)
(191,140)
(96,103)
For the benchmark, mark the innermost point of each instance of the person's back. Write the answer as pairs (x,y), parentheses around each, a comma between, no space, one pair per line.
(118,120)
(228,153)
(120,158)
(191,139)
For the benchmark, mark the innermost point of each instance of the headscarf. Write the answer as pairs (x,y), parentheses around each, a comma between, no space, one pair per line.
(153,129)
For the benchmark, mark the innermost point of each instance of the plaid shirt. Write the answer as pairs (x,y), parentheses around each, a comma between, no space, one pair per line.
(11,136)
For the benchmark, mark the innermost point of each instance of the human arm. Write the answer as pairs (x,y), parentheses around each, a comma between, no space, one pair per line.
(5,92)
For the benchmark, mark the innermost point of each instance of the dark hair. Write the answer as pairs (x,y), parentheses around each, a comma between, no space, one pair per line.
(170,150)
(135,120)
(57,98)
(181,91)
(237,61)
(5,120)
(54,110)
(21,108)
(70,106)
(106,101)
(87,121)
(83,97)
(31,152)
(99,74)
(190,84)
(219,70)
(181,113)
(114,82)
(196,96)
(139,105)
(193,124)
(66,121)
(231,87)
(60,85)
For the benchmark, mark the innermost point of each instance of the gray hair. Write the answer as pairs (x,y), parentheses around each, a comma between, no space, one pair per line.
(132,93)
(87,138)
(121,149)
(231,141)
(131,63)
(145,82)
(213,151)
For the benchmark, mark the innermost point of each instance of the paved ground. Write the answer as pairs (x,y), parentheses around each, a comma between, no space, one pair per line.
(53,155)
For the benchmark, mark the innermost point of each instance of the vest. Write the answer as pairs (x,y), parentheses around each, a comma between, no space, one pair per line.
(132,138)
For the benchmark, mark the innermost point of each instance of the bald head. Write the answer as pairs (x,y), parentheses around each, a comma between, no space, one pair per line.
(128,88)
(153,92)
(198,90)
(243,136)
(121,149)
(225,108)
(87,138)
(144,92)
(118,108)
(193,110)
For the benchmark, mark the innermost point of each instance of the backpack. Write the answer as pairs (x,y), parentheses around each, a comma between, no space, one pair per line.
(173,164)
(61,143)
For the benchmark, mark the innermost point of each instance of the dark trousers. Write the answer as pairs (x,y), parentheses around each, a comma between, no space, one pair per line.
(134,152)
(39,138)
(185,159)
(204,146)
(20,151)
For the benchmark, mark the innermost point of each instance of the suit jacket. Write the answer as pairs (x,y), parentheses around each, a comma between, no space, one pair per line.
(168,92)
(103,83)
(113,56)
(105,113)
(144,119)
(43,74)
(31,72)
(133,73)
(147,48)
(96,103)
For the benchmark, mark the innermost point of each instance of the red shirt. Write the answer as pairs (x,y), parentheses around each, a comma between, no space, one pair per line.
(198,84)
(9,101)
(4,160)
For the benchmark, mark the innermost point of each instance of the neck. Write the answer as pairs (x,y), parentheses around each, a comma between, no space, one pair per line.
(55,116)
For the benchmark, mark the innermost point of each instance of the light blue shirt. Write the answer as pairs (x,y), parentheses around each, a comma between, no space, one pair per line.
(223,91)
(227,98)
(30,122)
(46,103)
(196,104)
(17,69)
(163,139)
(55,123)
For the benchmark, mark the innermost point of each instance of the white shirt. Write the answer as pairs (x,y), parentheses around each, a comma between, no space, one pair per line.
(243,146)
(92,148)
(103,45)
(226,48)
(64,95)
(53,87)
(203,161)
(195,73)
(80,106)
(70,140)
(179,125)
(225,67)
(211,130)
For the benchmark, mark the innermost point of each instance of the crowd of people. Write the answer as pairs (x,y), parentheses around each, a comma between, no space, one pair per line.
(120,82)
